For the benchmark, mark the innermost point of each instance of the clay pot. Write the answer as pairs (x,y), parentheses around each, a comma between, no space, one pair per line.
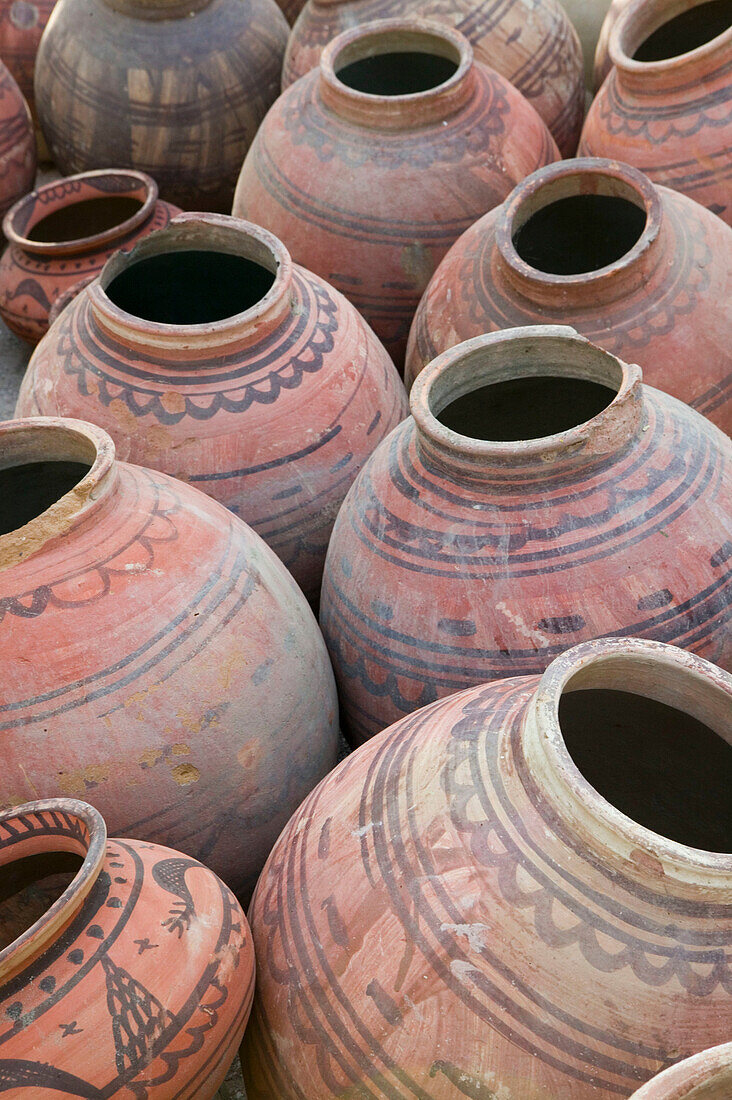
(587,18)
(603,64)
(137,976)
(521,891)
(538,496)
(63,233)
(665,107)
(22,23)
(640,270)
(170,88)
(17,144)
(444,150)
(272,409)
(164,623)
(706,1076)
(532,44)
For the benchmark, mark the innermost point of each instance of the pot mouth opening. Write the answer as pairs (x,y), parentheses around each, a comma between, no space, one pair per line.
(577,224)
(50,855)
(29,489)
(82,211)
(198,271)
(397,62)
(667,770)
(547,387)
(686,31)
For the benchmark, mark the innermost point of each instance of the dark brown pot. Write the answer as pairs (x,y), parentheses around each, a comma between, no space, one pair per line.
(170,88)
(369,174)
(640,270)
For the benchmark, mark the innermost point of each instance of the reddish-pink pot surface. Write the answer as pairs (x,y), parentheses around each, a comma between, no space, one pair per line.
(575,513)
(669,115)
(463,909)
(273,411)
(135,980)
(705,1076)
(370,190)
(533,45)
(603,64)
(94,214)
(639,270)
(17,143)
(22,23)
(158,660)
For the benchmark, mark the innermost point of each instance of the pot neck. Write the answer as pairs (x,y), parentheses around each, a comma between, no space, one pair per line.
(65,193)
(574,179)
(46,827)
(154,10)
(207,233)
(47,439)
(681,73)
(525,353)
(656,671)
(374,109)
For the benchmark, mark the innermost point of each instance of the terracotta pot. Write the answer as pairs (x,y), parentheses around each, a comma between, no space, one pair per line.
(587,18)
(539,496)
(484,903)
(272,410)
(174,89)
(706,1076)
(17,144)
(164,623)
(437,159)
(532,44)
(137,976)
(64,232)
(640,270)
(603,64)
(22,23)
(665,107)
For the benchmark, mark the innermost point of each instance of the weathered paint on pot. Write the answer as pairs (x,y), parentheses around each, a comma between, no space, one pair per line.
(369,190)
(272,411)
(640,270)
(36,270)
(539,496)
(158,660)
(467,907)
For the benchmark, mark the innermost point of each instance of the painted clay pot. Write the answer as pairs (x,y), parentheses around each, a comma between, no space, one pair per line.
(174,89)
(272,409)
(587,18)
(184,688)
(131,971)
(64,232)
(665,106)
(539,496)
(532,44)
(399,111)
(705,1076)
(521,891)
(640,270)
(22,23)
(17,143)
(603,64)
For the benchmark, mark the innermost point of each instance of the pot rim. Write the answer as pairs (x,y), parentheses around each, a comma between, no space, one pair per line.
(695,1072)
(30,942)
(551,178)
(609,429)
(81,244)
(632,19)
(64,439)
(549,759)
(175,232)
